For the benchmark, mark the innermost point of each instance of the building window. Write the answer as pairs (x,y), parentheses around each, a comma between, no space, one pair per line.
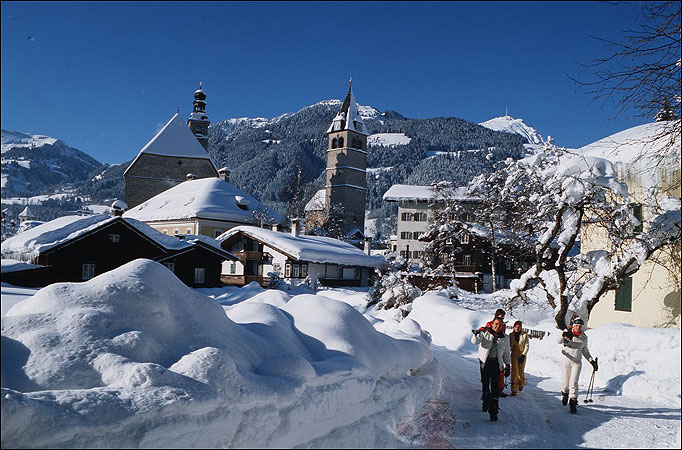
(199,273)
(420,217)
(287,270)
(217,233)
(405,235)
(464,238)
(335,143)
(295,272)
(508,264)
(354,143)
(188,231)
(637,212)
(304,270)
(340,142)
(416,234)
(417,254)
(360,144)
(114,238)
(403,253)
(233,268)
(467,260)
(624,296)
(170,266)
(88,271)
(176,231)
(165,231)
(406,217)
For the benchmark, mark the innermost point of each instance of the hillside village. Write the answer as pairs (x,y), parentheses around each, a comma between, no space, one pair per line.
(258,305)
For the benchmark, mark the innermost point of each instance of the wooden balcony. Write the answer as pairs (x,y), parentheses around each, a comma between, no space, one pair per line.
(253,255)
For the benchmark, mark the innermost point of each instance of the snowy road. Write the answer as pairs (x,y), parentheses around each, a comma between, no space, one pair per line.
(536,419)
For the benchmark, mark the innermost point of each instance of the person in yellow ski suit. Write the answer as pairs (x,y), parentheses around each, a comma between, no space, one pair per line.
(518,339)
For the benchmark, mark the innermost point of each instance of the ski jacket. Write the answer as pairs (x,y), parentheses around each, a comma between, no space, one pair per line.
(486,340)
(573,349)
(521,347)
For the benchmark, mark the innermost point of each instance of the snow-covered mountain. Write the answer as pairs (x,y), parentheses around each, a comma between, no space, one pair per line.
(508,124)
(35,164)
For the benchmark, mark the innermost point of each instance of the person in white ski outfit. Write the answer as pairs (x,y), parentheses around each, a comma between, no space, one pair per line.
(574,348)
(494,356)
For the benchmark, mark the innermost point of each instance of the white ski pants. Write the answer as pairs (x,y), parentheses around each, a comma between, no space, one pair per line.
(570,374)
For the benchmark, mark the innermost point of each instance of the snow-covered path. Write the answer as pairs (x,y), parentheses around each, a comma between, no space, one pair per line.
(536,419)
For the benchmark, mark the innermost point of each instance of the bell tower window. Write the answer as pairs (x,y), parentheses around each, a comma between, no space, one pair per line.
(335,143)
(341,142)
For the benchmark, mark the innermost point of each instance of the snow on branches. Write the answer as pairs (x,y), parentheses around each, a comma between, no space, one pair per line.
(564,195)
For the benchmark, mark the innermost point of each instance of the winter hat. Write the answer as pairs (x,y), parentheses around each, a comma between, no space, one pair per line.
(578,321)
(500,312)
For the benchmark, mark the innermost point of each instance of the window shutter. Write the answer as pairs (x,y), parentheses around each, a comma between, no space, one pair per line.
(624,295)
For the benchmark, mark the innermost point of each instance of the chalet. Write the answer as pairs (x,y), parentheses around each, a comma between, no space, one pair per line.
(78,248)
(207,206)
(417,209)
(265,254)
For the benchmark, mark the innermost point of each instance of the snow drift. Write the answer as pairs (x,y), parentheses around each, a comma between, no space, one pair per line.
(134,358)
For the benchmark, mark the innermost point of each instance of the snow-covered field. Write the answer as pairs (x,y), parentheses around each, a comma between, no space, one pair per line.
(133,358)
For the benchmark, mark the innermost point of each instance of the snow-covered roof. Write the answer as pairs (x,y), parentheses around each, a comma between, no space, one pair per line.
(348,117)
(626,146)
(174,139)
(205,198)
(318,202)
(12,265)
(399,192)
(26,212)
(63,229)
(317,249)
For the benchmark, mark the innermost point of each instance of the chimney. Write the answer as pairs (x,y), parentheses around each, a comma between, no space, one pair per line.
(368,245)
(294,227)
(224,174)
(118,207)
(191,176)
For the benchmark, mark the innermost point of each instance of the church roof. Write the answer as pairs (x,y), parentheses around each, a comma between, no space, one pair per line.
(175,139)
(348,117)
(205,198)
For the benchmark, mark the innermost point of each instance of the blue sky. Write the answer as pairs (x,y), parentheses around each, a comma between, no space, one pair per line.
(104,77)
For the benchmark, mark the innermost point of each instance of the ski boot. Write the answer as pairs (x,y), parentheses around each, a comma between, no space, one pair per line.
(573,404)
(493,409)
(564,398)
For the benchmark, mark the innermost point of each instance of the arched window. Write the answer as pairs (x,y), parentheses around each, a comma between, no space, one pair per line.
(359,144)
(354,143)
(335,143)
(341,142)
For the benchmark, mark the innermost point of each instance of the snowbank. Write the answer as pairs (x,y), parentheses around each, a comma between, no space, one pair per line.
(134,358)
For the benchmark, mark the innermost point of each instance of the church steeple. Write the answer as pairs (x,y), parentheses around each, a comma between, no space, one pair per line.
(198,121)
(346,183)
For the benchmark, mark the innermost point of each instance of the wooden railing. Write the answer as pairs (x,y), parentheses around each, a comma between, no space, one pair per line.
(252,255)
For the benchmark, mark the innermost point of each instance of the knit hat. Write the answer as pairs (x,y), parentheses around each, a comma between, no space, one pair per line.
(578,321)
(500,312)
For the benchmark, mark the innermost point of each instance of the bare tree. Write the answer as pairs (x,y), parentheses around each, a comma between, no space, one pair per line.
(643,72)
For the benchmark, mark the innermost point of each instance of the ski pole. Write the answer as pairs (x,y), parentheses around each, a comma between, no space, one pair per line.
(590,387)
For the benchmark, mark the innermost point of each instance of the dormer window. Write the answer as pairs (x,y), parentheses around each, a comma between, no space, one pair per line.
(241,202)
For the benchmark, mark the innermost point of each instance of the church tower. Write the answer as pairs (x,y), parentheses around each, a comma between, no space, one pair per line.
(198,121)
(346,179)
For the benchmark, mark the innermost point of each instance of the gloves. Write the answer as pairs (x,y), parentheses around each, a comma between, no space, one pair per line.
(522,358)
(595,365)
(475,332)
(507,371)
(568,334)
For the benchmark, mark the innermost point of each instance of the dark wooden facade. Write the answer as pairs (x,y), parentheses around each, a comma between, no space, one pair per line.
(112,245)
